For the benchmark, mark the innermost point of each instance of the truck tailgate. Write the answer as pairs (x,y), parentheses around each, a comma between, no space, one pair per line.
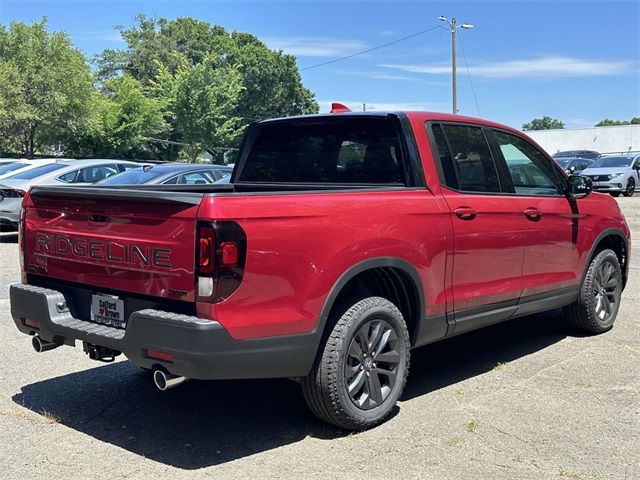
(135,241)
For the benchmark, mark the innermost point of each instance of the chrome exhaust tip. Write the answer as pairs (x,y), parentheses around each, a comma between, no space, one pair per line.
(40,345)
(164,381)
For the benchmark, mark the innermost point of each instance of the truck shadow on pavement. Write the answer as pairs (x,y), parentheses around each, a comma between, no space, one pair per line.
(201,424)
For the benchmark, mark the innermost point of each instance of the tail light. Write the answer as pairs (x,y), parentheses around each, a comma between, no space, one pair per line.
(22,230)
(13,193)
(222,251)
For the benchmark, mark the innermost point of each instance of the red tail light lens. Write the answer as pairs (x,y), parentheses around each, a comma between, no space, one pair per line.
(229,253)
(222,251)
(206,250)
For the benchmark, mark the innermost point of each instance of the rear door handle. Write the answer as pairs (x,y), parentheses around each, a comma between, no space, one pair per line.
(533,214)
(466,213)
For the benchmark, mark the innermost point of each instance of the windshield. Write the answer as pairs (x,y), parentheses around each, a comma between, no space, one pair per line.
(609,162)
(562,162)
(10,167)
(135,176)
(36,172)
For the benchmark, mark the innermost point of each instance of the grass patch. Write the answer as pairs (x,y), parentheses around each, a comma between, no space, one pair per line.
(50,418)
(472,426)
(568,474)
(459,394)
(502,366)
(453,441)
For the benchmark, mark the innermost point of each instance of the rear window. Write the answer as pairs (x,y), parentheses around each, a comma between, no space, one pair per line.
(335,150)
(10,167)
(134,176)
(38,171)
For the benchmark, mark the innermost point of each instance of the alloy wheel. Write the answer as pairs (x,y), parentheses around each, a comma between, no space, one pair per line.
(371,364)
(605,287)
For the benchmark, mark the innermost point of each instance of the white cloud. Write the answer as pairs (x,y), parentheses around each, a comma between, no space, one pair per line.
(548,67)
(356,105)
(315,46)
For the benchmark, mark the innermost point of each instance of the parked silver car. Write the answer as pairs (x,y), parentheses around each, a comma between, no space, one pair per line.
(78,172)
(615,174)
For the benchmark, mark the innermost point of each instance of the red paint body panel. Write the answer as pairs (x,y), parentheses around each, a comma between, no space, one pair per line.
(300,244)
(146,225)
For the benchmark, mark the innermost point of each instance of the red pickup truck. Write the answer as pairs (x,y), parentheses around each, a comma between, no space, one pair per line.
(344,241)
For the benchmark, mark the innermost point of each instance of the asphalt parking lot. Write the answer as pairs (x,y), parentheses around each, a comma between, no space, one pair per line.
(527,399)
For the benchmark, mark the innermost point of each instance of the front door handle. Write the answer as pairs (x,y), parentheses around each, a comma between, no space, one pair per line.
(466,213)
(533,214)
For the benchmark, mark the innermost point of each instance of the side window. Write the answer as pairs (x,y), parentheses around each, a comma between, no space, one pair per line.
(96,173)
(172,180)
(467,159)
(70,177)
(196,178)
(531,172)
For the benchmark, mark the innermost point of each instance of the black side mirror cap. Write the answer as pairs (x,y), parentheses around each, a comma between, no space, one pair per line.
(578,186)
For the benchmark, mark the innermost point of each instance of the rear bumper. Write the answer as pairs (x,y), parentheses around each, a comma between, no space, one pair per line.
(201,348)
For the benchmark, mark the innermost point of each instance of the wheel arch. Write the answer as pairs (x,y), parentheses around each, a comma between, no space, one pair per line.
(616,240)
(390,277)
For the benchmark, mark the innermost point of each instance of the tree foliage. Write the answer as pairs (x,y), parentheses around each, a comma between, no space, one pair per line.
(544,123)
(180,87)
(609,123)
(45,86)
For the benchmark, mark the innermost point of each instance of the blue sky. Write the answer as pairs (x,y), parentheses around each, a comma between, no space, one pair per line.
(576,60)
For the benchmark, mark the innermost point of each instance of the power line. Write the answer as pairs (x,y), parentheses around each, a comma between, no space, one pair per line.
(464,56)
(370,49)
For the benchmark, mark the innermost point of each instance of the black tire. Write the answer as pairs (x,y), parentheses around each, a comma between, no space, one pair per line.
(631,188)
(343,359)
(615,194)
(596,308)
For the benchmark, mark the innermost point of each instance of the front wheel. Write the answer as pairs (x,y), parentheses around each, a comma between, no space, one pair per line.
(362,368)
(596,308)
(631,188)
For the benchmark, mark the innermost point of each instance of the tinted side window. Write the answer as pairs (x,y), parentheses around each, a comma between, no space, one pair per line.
(531,172)
(96,173)
(470,159)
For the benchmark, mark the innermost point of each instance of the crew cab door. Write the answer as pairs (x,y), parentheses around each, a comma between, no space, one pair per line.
(486,271)
(549,219)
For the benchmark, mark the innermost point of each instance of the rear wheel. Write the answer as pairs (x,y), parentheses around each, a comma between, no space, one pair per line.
(362,368)
(596,308)
(631,188)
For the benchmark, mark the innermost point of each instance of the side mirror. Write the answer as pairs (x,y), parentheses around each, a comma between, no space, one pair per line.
(578,186)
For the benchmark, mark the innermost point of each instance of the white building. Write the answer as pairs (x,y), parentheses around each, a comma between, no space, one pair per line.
(616,139)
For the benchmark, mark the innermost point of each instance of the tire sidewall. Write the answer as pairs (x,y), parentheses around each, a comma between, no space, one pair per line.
(383,310)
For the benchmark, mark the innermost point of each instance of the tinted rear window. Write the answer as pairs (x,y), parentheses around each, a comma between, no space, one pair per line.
(336,150)
(36,172)
(134,176)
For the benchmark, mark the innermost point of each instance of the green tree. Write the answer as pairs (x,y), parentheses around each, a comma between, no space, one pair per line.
(45,86)
(544,123)
(609,123)
(200,101)
(123,118)
(271,80)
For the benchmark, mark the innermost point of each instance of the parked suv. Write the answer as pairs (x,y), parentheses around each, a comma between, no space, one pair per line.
(343,242)
(615,174)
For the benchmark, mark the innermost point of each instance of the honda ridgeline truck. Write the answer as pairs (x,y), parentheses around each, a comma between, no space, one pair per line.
(344,241)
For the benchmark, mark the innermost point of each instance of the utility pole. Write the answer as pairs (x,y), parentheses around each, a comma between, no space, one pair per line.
(453,25)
